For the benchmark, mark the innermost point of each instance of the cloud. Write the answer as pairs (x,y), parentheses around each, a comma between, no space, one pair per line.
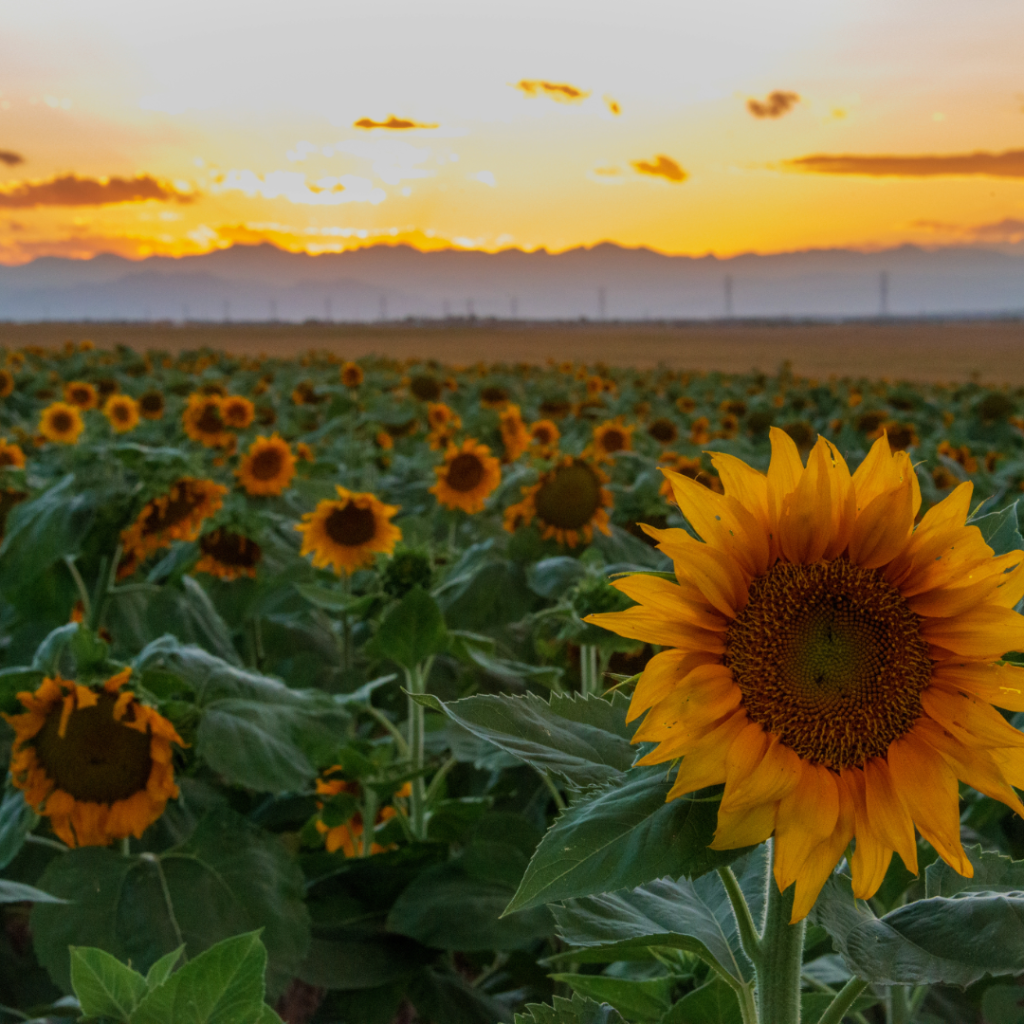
(778,103)
(661,167)
(10,158)
(1009,229)
(394,160)
(392,123)
(612,105)
(986,165)
(486,177)
(561,92)
(293,186)
(71,190)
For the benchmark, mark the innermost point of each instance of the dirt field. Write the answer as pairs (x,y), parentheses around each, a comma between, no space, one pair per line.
(925,350)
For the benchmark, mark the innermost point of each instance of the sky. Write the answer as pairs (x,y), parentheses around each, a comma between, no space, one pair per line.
(322,125)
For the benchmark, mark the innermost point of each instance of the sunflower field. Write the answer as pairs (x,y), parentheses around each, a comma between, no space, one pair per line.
(358,692)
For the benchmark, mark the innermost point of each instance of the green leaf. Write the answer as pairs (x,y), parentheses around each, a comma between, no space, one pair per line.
(645,1000)
(50,652)
(1001,530)
(412,631)
(12,682)
(495,595)
(625,836)
(992,873)
(1003,1004)
(227,878)
(269,1015)
(713,1003)
(354,964)
(222,986)
(18,892)
(514,672)
(583,740)
(17,819)
(105,987)
(323,597)
(440,995)
(552,577)
(694,916)
(161,970)
(578,1010)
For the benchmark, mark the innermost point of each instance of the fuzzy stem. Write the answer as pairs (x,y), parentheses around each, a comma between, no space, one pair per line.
(749,938)
(844,999)
(782,946)
(417,684)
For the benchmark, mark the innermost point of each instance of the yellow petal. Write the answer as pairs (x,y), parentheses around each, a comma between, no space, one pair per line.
(662,674)
(772,779)
(876,474)
(871,858)
(704,763)
(806,818)
(844,504)
(1001,685)
(641,624)
(887,815)
(668,599)
(706,695)
(745,754)
(715,573)
(805,521)
(748,827)
(743,483)
(882,529)
(984,632)
(785,469)
(988,584)
(970,720)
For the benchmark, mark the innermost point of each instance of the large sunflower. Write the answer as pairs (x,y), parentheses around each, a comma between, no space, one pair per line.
(568,501)
(95,761)
(228,555)
(203,421)
(468,476)
(122,412)
(268,467)
(177,515)
(829,663)
(61,422)
(347,534)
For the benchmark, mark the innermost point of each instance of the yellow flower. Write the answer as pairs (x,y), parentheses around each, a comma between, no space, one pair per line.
(6,383)
(62,423)
(349,533)
(237,412)
(663,430)
(544,434)
(829,663)
(95,761)
(204,422)
(568,502)
(122,412)
(441,417)
(514,435)
(468,476)
(348,836)
(81,393)
(11,454)
(228,555)
(177,515)
(151,405)
(268,467)
(611,437)
(351,375)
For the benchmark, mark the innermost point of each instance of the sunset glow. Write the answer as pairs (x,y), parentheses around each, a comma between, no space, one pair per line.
(320,127)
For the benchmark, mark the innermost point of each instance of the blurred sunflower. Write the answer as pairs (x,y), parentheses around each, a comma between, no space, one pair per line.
(11,455)
(351,375)
(829,663)
(493,396)
(304,452)
(442,417)
(514,436)
(203,421)
(348,836)
(544,434)
(62,423)
(95,761)
(349,533)
(81,393)
(425,387)
(122,412)
(177,515)
(612,436)
(6,383)
(228,555)
(568,501)
(268,466)
(237,412)
(663,430)
(151,405)
(468,476)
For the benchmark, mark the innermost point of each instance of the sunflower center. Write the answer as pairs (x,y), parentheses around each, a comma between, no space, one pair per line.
(97,760)
(569,498)
(613,441)
(231,549)
(542,435)
(152,401)
(829,659)
(179,507)
(121,413)
(464,472)
(266,464)
(61,422)
(209,421)
(351,525)
(663,431)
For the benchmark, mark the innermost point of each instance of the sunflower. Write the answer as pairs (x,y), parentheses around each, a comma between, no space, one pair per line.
(151,405)
(204,422)
(348,836)
(6,383)
(11,455)
(304,452)
(568,501)
(829,663)
(177,515)
(348,533)
(612,436)
(468,476)
(351,375)
(663,430)
(493,397)
(237,412)
(544,434)
(61,422)
(81,393)
(228,555)
(95,761)
(514,435)
(442,417)
(268,467)
(122,412)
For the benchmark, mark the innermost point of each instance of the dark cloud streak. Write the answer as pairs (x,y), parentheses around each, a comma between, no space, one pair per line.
(560,92)
(986,165)
(392,123)
(661,167)
(71,190)
(778,103)
(10,158)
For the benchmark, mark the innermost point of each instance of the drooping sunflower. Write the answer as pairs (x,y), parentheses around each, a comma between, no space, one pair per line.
(514,436)
(82,394)
(612,436)
(469,475)
(95,761)
(349,533)
(203,421)
(834,666)
(122,412)
(237,412)
(569,502)
(228,555)
(348,835)
(268,467)
(151,405)
(62,423)
(11,455)
(351,375)
(177,515)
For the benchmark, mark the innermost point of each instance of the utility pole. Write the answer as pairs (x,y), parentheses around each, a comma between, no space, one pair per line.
(273,310)
(227,311)
(602,302)
(446,311)
(383,308)
(728,296)
(514,307)
(883,293)
(470,309)
(327,309)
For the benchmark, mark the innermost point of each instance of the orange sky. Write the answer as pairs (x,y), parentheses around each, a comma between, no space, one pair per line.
(691,128)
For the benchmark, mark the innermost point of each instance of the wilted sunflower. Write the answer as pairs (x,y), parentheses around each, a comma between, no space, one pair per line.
(177,515)
(348,836)
(468,476)
(203,421)
(514,435)
(569,502)
(611,437)
(6,383)
(62,423)
(81,393)
(832,665)
(237,412)
(228,555)
(96,762)
(122,412)
(151,405)
(351,375)
(268,467)
(11,455)
(348,533)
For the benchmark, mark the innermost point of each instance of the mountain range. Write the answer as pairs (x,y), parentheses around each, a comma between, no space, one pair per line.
(606,281)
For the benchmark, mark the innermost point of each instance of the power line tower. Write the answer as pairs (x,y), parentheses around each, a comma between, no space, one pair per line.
(470,309)
(227,311)
(883,293)
(513,304)
(383,308)
(602,302)
(273,310)
(728,297)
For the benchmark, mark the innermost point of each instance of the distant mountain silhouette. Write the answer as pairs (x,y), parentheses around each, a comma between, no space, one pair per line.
(261,282)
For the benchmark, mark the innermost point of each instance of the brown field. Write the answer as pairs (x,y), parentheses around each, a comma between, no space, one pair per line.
(990,350)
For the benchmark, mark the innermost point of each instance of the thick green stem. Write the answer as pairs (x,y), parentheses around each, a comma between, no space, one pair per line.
(588,669)
(369,813)
(844,999)
(782,946)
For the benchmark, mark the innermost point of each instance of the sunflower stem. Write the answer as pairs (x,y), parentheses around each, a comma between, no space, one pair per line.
(416,678)
(749,938)
(369,819)
(843,1000)
(346,625)
(782,946)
